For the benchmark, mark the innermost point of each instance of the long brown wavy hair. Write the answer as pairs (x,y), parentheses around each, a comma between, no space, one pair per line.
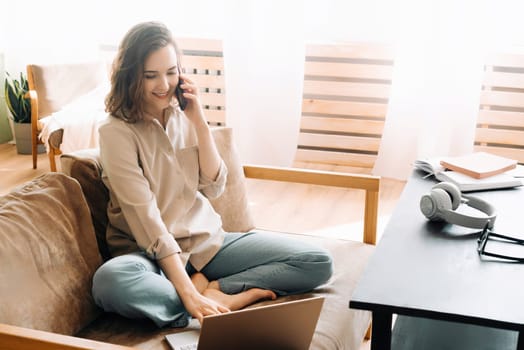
(125,98)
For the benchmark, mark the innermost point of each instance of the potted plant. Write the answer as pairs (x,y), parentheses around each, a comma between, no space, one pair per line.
(20,111)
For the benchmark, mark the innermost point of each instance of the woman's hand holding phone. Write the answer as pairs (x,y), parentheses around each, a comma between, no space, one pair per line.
(191,105)
(179,93)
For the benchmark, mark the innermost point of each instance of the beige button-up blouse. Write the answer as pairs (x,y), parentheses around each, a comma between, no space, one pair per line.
(157,194)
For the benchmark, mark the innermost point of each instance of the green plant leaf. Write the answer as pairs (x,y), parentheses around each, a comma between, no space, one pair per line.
(15,95)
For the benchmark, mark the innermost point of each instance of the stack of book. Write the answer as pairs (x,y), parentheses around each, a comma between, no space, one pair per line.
(475,171)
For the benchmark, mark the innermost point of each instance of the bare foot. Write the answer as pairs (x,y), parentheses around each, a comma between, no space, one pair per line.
(240,300)
(200,282)
(213,285)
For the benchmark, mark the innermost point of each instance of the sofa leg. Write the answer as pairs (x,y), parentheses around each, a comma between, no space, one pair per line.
(368,333)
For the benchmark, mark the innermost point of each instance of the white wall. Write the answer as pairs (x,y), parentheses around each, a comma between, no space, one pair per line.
(264,51)
(263,43)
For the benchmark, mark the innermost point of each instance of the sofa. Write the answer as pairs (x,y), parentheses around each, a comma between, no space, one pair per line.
(52,241)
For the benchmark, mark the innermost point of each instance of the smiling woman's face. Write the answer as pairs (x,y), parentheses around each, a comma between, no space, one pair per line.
(160,80)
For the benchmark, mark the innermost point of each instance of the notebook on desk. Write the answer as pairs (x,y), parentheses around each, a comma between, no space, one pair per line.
(432,166)
(286,325)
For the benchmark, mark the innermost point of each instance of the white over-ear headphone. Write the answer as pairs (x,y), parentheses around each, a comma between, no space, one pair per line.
(440,205)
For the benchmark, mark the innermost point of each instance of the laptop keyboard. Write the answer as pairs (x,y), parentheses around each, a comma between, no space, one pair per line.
(188,347)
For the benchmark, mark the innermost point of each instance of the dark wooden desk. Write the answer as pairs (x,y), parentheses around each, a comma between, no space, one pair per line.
(432,270)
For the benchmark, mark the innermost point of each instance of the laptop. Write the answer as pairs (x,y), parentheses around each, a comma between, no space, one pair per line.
(286,325)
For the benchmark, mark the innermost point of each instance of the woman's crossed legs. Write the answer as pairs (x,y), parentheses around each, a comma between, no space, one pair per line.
(247,268)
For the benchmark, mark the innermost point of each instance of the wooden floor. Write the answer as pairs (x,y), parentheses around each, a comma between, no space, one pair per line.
(297,208)
(16,169)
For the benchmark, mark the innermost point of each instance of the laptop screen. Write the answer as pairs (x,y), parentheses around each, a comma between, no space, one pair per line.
(285,325)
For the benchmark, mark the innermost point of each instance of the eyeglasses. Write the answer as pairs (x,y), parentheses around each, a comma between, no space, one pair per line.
(487,234)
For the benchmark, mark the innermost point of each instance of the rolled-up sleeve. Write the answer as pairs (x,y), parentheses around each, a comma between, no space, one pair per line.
(164,246)
(125,179)
(213,188)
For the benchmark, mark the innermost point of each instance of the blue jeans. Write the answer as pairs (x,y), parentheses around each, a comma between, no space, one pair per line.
(133,285)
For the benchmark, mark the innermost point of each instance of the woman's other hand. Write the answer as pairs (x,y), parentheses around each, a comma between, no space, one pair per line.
(199,306)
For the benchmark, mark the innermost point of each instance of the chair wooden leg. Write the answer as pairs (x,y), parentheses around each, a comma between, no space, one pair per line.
(34,152)
(52,161)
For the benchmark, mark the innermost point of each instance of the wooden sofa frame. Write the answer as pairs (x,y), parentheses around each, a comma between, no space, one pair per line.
(19,338)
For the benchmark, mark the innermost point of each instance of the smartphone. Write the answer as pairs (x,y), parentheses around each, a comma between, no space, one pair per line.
(182,102)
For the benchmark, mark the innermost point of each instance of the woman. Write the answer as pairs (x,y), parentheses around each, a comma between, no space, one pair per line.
(172,258)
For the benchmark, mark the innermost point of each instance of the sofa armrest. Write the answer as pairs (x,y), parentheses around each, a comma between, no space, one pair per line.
(368,183)
(19,338)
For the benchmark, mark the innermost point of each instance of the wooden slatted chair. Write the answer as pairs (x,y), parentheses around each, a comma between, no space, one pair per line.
(500,124)
(345,97)
(53,86)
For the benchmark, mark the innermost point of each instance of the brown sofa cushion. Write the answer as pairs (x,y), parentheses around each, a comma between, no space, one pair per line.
(84,165)
(48,255)
(232,205)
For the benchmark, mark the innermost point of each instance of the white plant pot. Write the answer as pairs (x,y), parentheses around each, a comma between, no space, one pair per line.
(23,137)
(22,132)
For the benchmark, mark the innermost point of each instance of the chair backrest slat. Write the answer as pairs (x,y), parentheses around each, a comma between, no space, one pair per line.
(203,62)
(500,124)
(345,97)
